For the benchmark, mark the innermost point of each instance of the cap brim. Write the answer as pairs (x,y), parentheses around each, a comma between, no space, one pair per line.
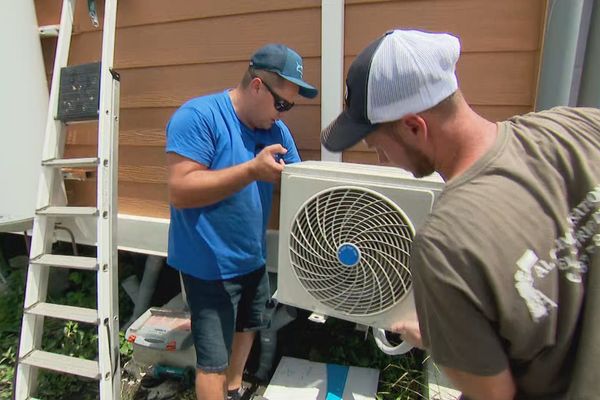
(344,132)
(305,90)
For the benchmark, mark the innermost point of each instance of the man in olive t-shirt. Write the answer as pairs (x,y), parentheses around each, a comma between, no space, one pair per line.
(505,271)
(500,265)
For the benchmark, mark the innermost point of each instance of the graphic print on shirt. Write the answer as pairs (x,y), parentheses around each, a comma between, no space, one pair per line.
(570,254)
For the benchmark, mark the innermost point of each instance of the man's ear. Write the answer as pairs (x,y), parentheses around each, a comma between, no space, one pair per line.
(414,123)
(255,84)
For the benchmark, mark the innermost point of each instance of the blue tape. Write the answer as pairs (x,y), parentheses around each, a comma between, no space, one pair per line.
(336,381)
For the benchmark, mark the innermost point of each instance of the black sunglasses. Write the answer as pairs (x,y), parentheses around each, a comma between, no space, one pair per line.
(280,104)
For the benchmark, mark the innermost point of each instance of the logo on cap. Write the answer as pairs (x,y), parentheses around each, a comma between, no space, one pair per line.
(299,68)
(346,95)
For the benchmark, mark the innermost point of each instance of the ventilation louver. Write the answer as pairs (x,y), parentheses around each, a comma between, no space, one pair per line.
(349,249)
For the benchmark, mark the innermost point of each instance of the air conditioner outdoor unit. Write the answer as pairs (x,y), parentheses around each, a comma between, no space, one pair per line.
(345,236)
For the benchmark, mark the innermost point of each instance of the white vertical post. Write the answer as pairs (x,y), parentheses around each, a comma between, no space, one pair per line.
(332,66)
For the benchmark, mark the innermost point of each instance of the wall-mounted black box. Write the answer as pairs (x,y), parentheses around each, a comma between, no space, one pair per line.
(79,95)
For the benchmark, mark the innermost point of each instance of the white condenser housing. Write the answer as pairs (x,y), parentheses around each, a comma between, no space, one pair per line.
(345,237)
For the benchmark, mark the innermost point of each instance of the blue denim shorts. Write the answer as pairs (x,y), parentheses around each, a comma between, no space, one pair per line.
(218,308)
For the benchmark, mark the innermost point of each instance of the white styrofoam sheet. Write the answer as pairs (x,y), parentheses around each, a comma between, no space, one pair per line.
(298,379)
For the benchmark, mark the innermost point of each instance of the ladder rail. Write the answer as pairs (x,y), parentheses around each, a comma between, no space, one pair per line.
(108,304)
(37,275)
(53,148)
(107,198)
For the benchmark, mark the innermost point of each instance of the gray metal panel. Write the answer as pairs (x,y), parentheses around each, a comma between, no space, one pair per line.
(563,53)
(589,94)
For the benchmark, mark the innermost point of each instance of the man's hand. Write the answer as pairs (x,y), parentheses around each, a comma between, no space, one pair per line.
(409,330)
(265,166)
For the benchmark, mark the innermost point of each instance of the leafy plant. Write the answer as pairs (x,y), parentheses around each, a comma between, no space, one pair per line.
(11,307)
(7,360)
(125,346)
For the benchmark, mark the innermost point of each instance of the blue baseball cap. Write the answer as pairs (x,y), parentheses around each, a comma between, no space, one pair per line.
(286,63)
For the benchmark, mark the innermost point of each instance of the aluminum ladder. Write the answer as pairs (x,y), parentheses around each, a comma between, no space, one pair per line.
(70,101)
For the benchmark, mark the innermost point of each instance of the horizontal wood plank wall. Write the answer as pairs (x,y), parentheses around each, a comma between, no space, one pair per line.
(170,51)
(500,48)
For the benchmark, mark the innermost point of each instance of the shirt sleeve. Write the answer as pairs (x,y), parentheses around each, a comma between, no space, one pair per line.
(189,135)
(287,141)
(453,328)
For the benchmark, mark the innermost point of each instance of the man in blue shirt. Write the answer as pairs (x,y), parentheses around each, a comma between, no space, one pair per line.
(225,151)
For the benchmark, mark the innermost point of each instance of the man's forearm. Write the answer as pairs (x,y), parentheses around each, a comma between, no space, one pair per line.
(201,188)
(476,387)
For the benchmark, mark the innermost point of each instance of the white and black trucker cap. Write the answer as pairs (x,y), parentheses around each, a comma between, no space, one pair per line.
(402,72)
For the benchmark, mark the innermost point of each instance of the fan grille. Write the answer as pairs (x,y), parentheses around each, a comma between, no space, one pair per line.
(349,248)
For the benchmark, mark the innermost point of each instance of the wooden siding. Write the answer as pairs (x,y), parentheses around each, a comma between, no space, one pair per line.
(168,52)
(500,48)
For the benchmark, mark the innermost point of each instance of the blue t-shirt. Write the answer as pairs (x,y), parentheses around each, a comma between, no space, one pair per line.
(225,239)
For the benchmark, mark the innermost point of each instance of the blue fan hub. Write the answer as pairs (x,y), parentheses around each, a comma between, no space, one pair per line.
(348,254)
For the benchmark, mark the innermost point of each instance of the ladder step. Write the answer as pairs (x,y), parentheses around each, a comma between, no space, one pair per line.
(90,162)
(68,211)
(49,30)
(76,262)
(61,363)
(80,314)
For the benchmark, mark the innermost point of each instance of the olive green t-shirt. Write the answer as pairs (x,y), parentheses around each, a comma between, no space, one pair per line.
(500,266)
